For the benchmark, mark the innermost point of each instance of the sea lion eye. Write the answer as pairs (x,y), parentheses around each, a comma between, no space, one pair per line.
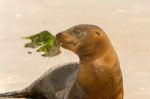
(78,33)
(98,33)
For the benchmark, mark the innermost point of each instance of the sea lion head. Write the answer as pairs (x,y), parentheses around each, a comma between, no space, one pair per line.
(82,39)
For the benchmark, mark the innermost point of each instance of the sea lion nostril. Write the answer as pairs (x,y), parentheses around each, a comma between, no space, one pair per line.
(58,35)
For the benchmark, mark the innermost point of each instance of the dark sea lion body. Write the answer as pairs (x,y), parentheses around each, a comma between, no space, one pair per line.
(98,76)
(52,85)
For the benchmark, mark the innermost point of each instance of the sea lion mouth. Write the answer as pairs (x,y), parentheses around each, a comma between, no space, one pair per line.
(65,43)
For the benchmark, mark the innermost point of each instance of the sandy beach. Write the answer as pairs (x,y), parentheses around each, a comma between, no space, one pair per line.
(126,22)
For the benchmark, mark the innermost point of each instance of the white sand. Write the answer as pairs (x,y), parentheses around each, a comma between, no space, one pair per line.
(127,23)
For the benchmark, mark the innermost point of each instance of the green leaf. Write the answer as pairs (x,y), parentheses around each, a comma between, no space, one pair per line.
(45,42)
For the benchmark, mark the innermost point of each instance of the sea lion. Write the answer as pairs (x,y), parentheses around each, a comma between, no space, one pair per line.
(99,73)
(97,76)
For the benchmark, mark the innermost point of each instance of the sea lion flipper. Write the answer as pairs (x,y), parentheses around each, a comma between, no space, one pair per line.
(15,94)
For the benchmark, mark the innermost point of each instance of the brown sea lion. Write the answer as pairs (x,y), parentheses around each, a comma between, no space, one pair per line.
(99,73)
(98,76)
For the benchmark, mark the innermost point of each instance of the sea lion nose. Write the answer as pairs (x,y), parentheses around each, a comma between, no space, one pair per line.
(59,35)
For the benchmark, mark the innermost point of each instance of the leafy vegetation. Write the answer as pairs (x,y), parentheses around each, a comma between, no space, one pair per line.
(44,42)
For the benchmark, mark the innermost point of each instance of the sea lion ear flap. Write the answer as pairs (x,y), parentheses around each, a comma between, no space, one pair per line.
(98,33)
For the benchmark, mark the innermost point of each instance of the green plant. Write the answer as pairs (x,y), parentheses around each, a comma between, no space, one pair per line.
(44,42)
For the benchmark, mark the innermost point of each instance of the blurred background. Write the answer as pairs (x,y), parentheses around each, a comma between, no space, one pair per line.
(127,23)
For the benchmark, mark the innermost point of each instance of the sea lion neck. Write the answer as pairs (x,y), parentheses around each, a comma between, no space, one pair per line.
(98,51)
